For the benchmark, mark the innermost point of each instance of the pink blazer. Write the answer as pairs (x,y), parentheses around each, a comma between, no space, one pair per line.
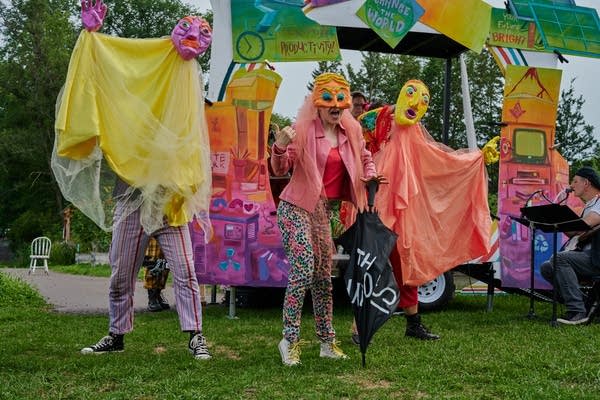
(306,185)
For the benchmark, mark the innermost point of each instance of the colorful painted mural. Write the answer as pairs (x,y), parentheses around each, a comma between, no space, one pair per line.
(245,246)
(531,169)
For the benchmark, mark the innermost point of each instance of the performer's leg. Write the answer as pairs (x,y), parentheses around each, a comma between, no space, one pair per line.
(176,245)
(295,226)
(152,284)
(321,287)
(409,302)
(126,254)
(570,267)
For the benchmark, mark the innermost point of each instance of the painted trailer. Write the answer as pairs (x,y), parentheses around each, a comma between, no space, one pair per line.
(245,248)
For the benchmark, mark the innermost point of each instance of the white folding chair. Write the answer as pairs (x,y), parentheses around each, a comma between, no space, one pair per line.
(40,250)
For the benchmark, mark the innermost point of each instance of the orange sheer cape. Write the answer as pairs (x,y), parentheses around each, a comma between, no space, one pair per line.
(436,201)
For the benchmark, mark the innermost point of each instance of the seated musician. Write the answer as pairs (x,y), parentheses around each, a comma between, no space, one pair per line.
(584,261)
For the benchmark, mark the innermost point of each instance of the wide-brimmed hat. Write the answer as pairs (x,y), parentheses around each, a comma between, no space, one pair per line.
(591,175)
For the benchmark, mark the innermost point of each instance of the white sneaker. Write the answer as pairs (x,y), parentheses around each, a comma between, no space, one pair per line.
(290,352)
(332,350)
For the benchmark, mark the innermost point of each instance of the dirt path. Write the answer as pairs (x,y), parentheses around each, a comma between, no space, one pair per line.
(77,293)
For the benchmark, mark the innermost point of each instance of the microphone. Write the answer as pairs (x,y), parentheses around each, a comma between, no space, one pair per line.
(563,195)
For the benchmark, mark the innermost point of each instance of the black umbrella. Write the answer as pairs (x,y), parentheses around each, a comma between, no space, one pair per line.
(369,278)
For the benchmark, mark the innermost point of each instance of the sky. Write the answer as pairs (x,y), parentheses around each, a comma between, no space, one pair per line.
(296,75)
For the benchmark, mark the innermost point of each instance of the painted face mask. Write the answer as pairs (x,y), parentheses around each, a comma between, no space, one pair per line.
(331,90)
(412,103)
(191,37)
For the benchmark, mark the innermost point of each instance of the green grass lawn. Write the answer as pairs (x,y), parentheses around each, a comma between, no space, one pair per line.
(495,355)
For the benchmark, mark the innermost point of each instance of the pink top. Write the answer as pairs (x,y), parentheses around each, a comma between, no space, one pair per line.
(335,177)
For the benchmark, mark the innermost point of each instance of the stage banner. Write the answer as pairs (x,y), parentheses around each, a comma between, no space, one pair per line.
(390,20)
(506,30)
(279,31)
(465,21)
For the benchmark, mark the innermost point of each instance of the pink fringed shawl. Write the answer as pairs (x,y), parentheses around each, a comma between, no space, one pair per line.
(436,202)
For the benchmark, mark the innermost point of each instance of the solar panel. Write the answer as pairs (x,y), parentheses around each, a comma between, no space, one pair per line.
(570,30)
(520,8)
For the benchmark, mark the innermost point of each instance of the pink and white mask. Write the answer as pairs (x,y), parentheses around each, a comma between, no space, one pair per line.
(191,37)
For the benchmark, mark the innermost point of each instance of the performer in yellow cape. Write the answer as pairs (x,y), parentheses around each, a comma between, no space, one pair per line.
(437,197)
(138,104)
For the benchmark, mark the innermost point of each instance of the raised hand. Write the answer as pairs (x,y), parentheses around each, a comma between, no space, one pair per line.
(92,14)
(490,151)
(284,136)
(380,179)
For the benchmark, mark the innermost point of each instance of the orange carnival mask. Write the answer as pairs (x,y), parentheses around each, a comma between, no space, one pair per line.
(331,90)
(412,103)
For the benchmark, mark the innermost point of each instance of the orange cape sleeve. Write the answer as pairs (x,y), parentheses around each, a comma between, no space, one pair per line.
(436,202)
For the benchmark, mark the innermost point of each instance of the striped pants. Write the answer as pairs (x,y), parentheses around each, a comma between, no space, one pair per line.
(129,242)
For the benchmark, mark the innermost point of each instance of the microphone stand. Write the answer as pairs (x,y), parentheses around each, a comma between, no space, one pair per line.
(531,313)
(567,191)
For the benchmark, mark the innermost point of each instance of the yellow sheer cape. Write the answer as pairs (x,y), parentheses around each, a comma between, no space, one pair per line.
(136,104)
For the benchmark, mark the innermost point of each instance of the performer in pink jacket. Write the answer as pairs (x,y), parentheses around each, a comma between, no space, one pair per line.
(327,153)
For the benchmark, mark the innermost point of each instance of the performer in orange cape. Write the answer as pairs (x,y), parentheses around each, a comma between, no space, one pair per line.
(436,200)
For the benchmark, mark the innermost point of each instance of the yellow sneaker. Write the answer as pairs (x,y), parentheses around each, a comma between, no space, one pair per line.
(290,352)
(332,350)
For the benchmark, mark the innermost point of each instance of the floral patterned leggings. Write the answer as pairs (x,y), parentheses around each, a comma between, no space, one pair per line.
(308,246)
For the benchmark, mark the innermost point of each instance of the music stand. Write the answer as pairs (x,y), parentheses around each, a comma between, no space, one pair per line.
(531,226)
(554,218)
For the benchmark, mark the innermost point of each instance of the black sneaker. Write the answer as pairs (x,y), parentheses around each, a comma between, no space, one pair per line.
(154,305)
(163,302)
(573,318)
(198,347)
(105,345)
(420,331)
(154,300)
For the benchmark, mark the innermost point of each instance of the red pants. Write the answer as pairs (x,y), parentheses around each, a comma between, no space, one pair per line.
(409,295)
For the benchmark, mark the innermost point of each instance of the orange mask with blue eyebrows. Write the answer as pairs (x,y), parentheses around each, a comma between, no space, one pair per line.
(331,90)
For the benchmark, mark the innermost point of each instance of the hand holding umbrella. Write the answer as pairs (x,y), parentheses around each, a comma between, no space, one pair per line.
(370,282)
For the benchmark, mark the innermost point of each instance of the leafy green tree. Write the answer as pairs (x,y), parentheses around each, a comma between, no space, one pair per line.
(399,70)
(574,136)
(381,76)
(280,120)
(36,44)
(486,89)
(369,79)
